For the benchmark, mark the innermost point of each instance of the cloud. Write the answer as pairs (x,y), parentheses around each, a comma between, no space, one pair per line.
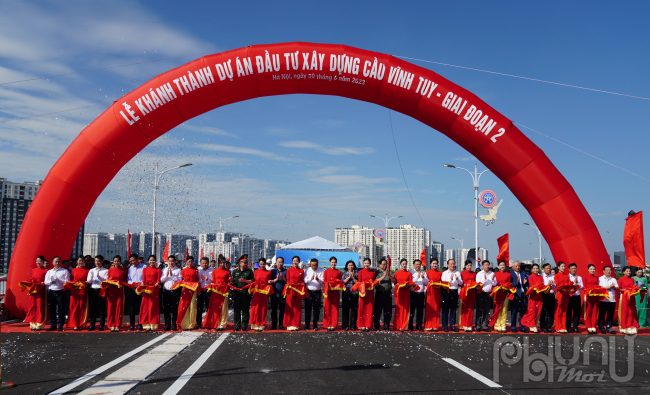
(328,149)
(466,159)
(616,213)
(278,132)
(350,179)
(333,123)
(207,130)
(256,152)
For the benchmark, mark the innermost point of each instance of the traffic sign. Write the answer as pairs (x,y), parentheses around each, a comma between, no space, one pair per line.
(358,244)
(487,198)
(380,233)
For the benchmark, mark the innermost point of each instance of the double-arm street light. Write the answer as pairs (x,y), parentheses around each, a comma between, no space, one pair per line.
(539,237)
(221,221)
(157,177)
(475,178)
(386,221)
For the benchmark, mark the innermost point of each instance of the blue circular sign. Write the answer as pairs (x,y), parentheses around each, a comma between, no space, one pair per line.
(488,198)
(379,233)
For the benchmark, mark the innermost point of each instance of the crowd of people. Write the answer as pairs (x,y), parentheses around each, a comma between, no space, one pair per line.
(545,300)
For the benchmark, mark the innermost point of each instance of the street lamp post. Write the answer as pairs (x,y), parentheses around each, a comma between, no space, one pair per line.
(156,180)
(539,238)
(461,245)
(221,221)
(386,221)
(475,178)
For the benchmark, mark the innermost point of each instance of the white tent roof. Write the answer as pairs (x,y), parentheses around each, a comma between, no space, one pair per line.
(316,243)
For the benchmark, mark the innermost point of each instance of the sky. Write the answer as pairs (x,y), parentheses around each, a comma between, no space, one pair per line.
(297,166)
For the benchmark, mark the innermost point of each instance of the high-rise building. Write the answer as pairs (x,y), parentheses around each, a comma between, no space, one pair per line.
(407,242)
(449,254)
(78,248)
(15,199)
(349,237)
(233,245)
(620,260)
(437,251)
(106,244)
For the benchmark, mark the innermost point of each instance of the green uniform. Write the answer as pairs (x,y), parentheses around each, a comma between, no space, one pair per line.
(642,307)
(241,298)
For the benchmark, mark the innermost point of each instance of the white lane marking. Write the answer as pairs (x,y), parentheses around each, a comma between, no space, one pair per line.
(187,375)
(104,368)
(472,373)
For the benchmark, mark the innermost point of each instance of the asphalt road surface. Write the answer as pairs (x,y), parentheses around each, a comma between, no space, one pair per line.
(310,362)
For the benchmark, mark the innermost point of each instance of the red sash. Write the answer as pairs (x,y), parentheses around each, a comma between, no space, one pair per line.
(406,284)
(363,286)
(511,291)
(297,287)
(32,286)
(333,285)
(218,288)
(538,288)
(467,285)
(261,287)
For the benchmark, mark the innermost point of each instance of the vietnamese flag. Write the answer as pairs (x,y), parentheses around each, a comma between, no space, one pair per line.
(423,258)
(165,256)
(504,249)
(633,240)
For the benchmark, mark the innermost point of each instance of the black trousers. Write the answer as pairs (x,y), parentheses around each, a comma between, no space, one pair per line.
(241,309)
(350,303)
(573,312)
(134,304)
(383,304)
(56,301)
(483,306)
(312,305)
(606,315)
(517,310)
(277,310)
(417,308)
(202,304)
(547,318)
(170,305)
(96,302)
(449,308)
(66,303)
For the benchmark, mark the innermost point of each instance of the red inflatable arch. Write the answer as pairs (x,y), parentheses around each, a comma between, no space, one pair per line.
(131,123)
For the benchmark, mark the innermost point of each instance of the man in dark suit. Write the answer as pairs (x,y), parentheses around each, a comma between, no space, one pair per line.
(518,303)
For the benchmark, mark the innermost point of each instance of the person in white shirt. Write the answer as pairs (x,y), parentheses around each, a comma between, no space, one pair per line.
(170,276)
(607,306)
(574,310)
(483,298)
(314,282)
(547,318)
(96,302)
(203,300)
(417,297)
(134,276)
(450,296)
(54,280)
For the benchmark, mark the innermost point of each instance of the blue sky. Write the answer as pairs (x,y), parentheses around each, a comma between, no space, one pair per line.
(298,166)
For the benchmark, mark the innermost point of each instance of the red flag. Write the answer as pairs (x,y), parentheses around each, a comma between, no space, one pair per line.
(423,258)
(165,256)
(212,254)
(389,262)
(128,232)
(201,253)
(186,254)
(633,240)
(504,249)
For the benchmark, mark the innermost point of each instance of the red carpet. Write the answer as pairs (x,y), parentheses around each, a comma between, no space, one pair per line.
(22,327)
